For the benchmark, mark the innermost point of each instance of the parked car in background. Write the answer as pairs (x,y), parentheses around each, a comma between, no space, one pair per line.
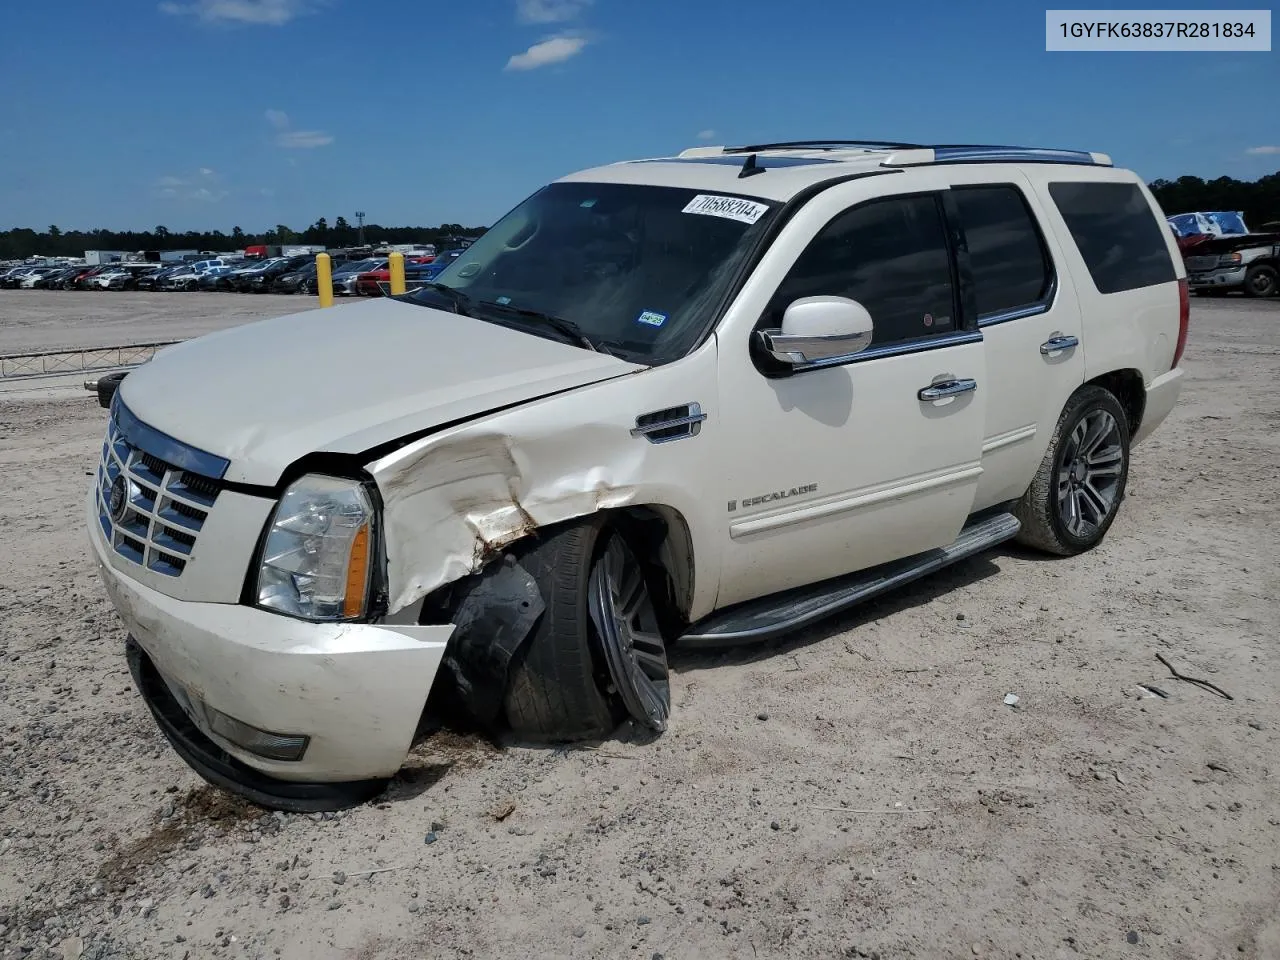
(104,278)
(373,283)
(301,280)
(1248,264)
(346,276)
(182,278)
(77,280)
(216,278)
(243,277)
(433,269)
(126,276)
(155,281)
(260,281)
(13,278)
(55,280)
(34,276)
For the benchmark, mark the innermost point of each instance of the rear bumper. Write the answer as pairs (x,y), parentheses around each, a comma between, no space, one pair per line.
(1162,395)
(355,691)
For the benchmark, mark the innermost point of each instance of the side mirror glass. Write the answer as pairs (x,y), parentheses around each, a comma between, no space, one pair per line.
(819,328)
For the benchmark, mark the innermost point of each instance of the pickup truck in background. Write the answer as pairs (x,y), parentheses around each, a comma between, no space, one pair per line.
(1249,264)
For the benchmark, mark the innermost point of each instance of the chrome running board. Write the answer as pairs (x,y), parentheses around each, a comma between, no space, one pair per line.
(758,620)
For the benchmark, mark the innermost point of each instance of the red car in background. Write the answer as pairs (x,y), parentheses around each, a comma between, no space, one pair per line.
(367,283)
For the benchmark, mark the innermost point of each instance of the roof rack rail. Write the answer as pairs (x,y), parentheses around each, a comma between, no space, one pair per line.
(820,145)
(990,153)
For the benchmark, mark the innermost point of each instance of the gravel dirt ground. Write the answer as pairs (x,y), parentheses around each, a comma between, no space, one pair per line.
(861,790)
(33,321)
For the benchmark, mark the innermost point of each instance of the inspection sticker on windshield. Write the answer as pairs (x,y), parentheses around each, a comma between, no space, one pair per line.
(652,317)
(731,208)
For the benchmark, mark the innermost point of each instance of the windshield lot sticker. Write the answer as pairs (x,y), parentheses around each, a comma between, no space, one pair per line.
(731,208)
(652,318)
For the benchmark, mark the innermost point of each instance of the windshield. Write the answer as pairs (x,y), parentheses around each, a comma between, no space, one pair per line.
(638,269)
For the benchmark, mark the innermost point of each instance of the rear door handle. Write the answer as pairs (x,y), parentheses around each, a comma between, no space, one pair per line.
(1054,344)
(947,388)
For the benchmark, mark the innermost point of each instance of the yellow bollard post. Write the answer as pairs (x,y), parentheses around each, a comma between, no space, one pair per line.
(324,279)
(396,263)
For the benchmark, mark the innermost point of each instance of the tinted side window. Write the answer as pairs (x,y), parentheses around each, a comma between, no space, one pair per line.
(1121,241)
(891,256)
(1006,253)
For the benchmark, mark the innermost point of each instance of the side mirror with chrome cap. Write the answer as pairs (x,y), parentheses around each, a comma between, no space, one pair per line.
(819,328)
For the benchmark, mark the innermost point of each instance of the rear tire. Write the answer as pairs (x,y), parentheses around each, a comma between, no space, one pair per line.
(1080,485)
(1260,281)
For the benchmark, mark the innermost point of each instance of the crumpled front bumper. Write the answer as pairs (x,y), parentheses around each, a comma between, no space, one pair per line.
(355,691)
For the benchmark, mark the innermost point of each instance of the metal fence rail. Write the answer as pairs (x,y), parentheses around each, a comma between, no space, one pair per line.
(15,366)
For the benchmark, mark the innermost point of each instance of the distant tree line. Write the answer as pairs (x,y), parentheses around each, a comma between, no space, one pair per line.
(1258,199)
(23,242)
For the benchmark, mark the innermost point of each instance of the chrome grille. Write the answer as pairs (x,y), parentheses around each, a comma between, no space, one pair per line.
(1199,264)
(162,507)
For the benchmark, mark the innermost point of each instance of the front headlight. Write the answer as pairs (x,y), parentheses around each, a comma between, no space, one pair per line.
(317,562)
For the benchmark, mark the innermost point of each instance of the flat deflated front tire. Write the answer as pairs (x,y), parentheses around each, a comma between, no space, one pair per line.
(554,691)
(1076,493)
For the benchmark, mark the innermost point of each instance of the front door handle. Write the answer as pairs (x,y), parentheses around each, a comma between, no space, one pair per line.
(1054,344)
(947,388)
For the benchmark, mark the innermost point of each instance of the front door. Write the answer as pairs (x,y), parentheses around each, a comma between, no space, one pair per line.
(853,464)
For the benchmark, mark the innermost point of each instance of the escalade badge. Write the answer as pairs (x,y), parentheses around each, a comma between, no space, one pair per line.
(776,495)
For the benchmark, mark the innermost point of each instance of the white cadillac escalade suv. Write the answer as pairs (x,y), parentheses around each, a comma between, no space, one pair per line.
(694,400)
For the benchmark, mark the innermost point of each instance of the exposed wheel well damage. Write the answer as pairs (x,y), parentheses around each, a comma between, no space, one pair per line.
(495,609)
(1128,387)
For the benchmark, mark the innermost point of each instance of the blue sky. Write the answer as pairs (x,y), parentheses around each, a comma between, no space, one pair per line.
(213,113)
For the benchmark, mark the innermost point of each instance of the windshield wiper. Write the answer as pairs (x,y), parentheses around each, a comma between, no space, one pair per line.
(457,298)
(566,328)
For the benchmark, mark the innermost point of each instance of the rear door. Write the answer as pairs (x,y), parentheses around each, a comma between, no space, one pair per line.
(1029,317)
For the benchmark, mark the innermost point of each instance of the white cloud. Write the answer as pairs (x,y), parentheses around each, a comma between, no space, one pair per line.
(1262,151)
(303,139)
(272,13)
(706,134)
(554,50)
(549,11)
(296,139)
(186,188)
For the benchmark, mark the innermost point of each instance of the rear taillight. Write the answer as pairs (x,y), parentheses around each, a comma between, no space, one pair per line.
(1184,320)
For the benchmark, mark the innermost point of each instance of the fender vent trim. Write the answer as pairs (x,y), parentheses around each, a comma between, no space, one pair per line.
(673,423)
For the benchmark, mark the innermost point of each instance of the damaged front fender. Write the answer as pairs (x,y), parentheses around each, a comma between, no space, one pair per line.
(455,500)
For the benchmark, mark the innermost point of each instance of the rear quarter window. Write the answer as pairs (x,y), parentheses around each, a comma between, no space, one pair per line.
(1010,266)
(1117,233)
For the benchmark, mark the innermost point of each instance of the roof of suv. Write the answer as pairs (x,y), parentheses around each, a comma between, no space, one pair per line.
(779,171)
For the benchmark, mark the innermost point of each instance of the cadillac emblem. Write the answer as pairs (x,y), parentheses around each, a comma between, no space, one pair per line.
(117,501)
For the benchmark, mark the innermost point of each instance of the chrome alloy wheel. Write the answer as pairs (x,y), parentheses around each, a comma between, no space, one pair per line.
(622,612)
(1089,473)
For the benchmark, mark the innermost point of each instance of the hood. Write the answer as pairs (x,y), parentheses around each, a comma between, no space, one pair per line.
(345,379)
